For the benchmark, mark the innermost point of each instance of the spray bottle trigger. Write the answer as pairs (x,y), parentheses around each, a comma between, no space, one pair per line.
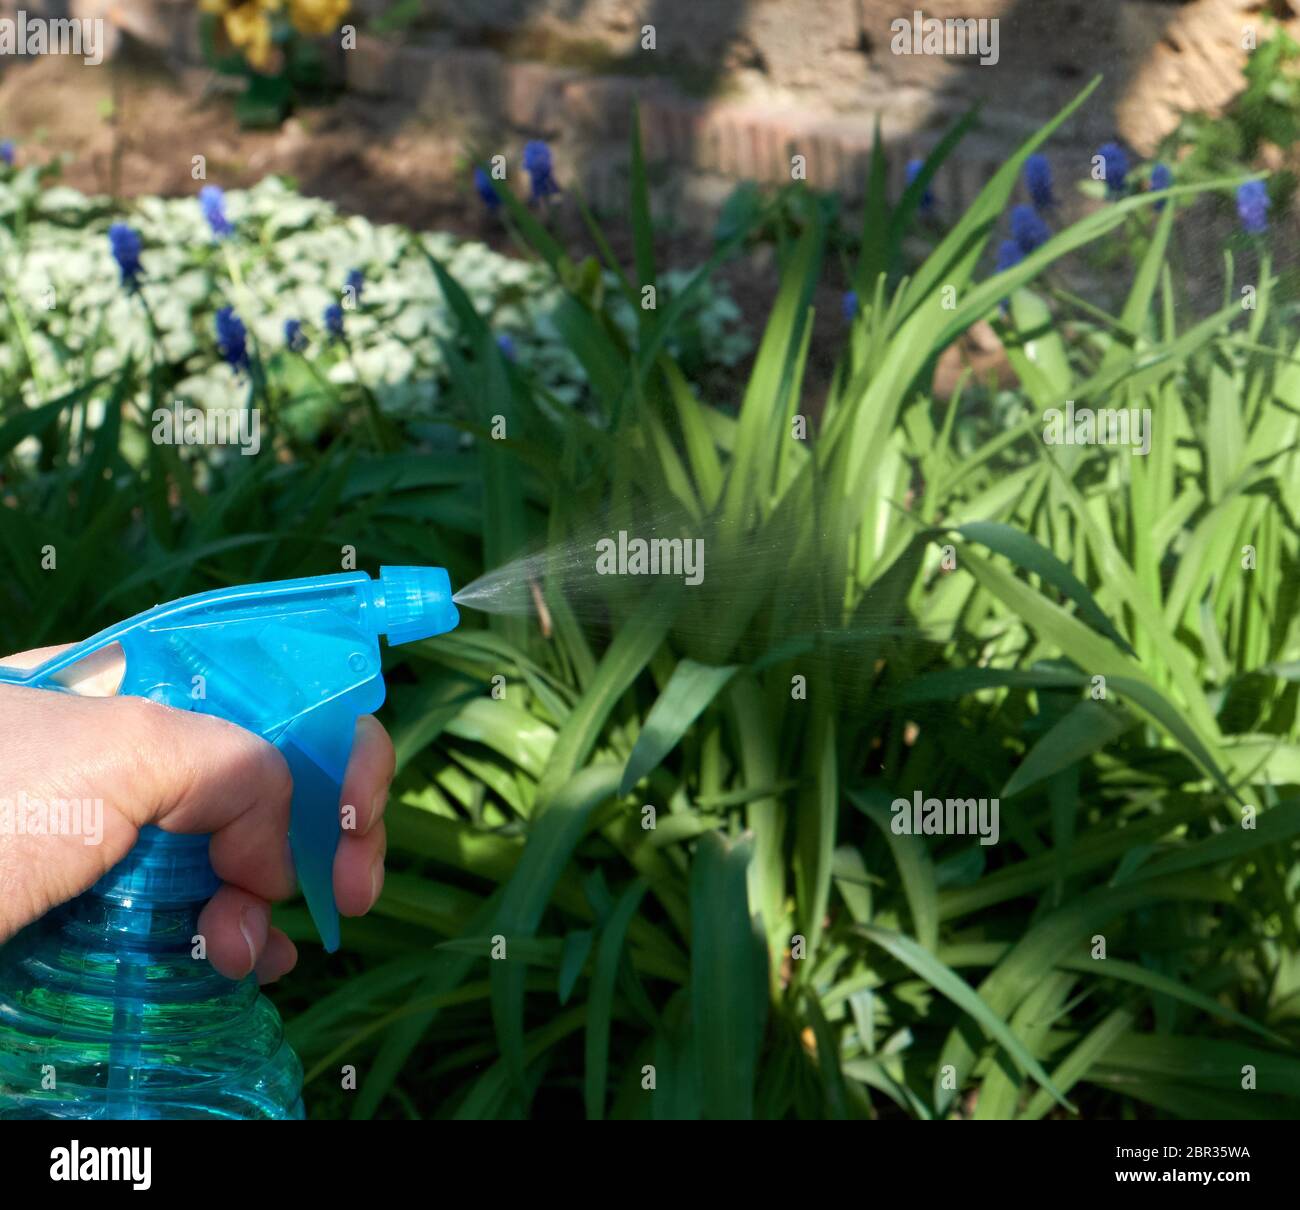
(316,747)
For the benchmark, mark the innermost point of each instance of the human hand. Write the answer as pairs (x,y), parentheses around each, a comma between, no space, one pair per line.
(182,772)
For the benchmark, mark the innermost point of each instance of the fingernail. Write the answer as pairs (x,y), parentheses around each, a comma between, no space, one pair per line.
(376,880)
(254,921)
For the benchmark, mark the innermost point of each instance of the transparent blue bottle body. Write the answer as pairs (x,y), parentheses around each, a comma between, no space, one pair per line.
(108,1011)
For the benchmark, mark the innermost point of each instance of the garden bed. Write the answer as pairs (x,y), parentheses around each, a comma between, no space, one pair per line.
(679,802)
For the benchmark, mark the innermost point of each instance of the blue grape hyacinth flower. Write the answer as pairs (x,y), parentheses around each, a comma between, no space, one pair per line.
(1038,181)
(232,339)
(849,305)
(212,201)
(1161,178)
(125,243)
(1115,160)
(7,152)
(1010,254)
(1252,207)
(507,346)
(926,204)
(356,282)
(1028,229)
(295,339)
(334,320)
(537,163)
(483,183)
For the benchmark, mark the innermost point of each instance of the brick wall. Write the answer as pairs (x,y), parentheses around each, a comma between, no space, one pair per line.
(732,89)
(805,77)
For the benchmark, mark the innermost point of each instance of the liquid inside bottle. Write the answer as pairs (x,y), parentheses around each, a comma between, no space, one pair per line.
(106,1012)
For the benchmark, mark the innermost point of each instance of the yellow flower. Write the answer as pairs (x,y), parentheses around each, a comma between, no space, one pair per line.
(249,28)
(225,6)
(317,17)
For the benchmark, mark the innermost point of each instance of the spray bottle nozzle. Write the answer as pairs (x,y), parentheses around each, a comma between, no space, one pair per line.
(414,603)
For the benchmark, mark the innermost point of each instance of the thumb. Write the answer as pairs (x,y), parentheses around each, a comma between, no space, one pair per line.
(146,764)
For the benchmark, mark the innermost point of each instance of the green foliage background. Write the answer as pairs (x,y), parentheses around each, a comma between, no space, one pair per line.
(770,948)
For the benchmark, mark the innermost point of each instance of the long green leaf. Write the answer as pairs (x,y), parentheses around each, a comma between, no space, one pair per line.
(923,963)
(728,978)
(687,695)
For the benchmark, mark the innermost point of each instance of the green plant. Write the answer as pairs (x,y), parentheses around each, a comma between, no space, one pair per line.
(290,259)
(883,613)
(899,971)
(1266,115)
(268,44)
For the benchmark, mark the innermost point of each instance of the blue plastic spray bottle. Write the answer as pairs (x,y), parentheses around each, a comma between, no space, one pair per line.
(105,1011)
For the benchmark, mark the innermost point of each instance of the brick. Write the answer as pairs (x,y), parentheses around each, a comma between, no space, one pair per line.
(600,107)
(371,67)
(826,174)
(532,96)
(771,163)
(745,149)
(780,139)
(421,78)
(475,79)
(697,135)
(736,159)
(654,141)
(681,133)
(686,128)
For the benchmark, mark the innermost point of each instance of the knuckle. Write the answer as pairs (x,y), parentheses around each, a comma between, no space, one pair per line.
(270,775)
